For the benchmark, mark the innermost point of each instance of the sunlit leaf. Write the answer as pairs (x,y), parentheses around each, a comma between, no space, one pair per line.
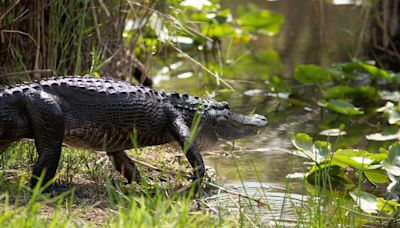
(389,133)
(254,92)
(276,84)
(302,141)
(389,206)
(342,106)
(198,4)
(296,175)
(377,176)
(217,30)
(252,18)
(319,173)
(332,132)
(311,74)
(390,95)
(392,163)
(368,68)
(375,71)
(361,92)
(315,151)
(367,202)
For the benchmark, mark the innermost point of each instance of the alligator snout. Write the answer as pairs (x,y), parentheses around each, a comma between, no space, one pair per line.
(259,120)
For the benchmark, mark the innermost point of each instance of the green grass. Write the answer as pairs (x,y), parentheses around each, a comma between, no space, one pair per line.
(154,203)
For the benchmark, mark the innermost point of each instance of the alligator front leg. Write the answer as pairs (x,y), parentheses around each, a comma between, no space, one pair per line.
(181,133)
(125,165)
(47,123)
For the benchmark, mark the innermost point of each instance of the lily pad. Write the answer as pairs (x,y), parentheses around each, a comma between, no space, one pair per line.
(306,148)
(377,176)
(367,202)
(342,106)
(392,163)
(389,133)
(390,95)
(389,206)
(312,74)
(332,132)
(361,92)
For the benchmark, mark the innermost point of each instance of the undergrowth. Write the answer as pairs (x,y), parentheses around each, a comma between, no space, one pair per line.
(96,199)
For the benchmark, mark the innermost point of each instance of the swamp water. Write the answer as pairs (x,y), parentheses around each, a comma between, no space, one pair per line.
(314,32)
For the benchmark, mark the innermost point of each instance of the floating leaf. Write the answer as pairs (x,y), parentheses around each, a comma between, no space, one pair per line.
(302,142)
(311,74)
(377,176)
(375,71)
(361,92)
(332,132)
(389,133)
(389,206)
(320,172)
(254,92)
(276,84)
(368,68)
(296,175)
(392,163)
(390,95)
(342,106)
(367,202)
(315,151)
(358,159)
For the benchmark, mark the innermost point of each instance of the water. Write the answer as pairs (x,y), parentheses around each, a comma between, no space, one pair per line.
(314,32)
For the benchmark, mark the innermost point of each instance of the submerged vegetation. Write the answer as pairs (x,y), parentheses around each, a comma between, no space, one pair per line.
(352,176)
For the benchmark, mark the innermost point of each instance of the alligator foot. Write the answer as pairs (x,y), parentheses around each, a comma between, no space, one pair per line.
(57,189)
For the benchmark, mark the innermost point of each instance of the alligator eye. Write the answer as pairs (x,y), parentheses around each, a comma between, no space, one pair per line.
(225,105)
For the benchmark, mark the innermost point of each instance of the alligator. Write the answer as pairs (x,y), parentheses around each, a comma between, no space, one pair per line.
(102,114)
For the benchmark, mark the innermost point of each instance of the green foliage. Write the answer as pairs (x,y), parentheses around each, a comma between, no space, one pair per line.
(353,92)
(252,18)
(340,168)
(342,106)
(312,74)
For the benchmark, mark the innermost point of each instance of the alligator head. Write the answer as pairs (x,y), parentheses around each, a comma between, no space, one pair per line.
(220,123)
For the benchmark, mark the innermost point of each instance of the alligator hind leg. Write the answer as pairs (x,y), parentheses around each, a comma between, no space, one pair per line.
(125,165)
(47,124)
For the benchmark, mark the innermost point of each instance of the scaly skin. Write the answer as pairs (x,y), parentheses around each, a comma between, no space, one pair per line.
(102,114)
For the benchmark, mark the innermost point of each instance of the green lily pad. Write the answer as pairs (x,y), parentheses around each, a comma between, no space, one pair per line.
(392,163)
(390,95)
(332,132)
(306,148)
(361,92)
(367,202)
(312,74)
(377,176)
(389,133)
(342,106)
(389,206)
(368,68)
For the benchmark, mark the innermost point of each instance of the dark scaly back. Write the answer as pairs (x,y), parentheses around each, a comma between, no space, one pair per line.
(191,103)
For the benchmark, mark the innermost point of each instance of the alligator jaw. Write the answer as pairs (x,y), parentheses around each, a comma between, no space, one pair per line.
(234,126)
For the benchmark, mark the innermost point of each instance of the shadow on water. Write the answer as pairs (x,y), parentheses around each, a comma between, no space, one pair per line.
(312,33)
